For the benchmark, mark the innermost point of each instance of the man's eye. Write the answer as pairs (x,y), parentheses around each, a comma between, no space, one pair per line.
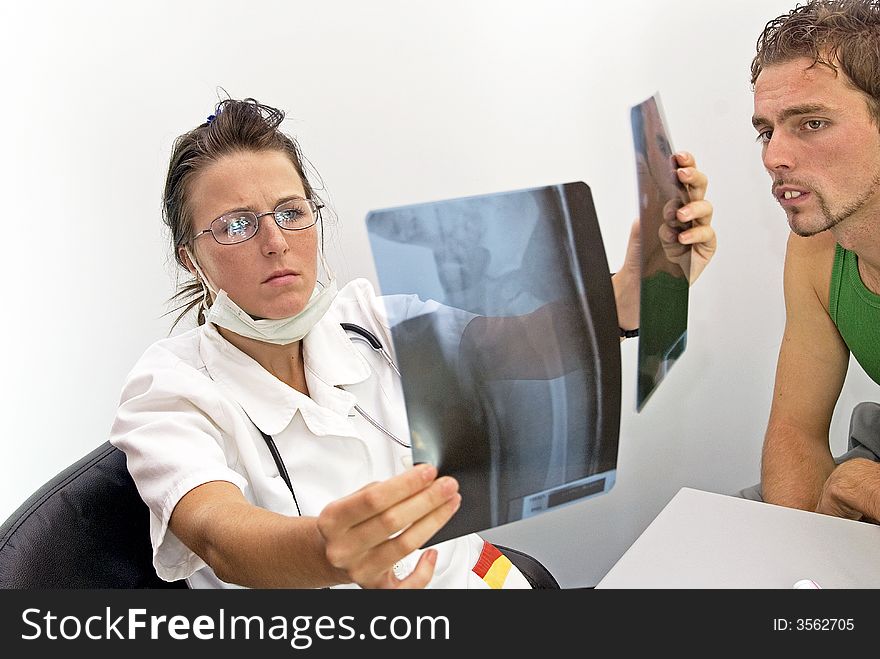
(765,135)
(815,124)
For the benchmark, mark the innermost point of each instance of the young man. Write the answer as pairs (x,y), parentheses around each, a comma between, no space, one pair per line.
(816,80)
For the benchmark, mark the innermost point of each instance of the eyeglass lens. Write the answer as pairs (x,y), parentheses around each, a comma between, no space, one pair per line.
(236,227)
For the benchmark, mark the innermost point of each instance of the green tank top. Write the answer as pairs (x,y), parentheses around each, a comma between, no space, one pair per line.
(856,311)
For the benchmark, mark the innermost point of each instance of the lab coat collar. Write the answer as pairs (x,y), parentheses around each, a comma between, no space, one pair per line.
(330,360)
(330,356)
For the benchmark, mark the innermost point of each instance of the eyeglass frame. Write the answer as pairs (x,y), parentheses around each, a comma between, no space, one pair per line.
(316,213)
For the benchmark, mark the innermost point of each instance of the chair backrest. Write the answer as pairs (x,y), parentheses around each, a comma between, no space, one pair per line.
(533,570)
(88,528)
(85,528)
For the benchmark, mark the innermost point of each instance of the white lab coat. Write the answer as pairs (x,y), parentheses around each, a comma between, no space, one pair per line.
(191,406)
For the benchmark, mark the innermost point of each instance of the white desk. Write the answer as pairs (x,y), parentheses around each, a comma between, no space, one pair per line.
(706,540)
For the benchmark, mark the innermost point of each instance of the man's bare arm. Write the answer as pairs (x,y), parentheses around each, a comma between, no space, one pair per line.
(810,371)
(853,491)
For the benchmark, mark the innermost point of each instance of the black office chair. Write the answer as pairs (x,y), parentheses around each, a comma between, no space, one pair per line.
(88,528)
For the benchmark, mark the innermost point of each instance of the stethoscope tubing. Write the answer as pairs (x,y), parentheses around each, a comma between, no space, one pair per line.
(373,341)
(370,339)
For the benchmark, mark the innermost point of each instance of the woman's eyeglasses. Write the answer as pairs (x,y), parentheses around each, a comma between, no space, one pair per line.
(236,227)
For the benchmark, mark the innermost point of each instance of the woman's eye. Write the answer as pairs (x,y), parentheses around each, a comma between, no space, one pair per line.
(287,215)
(238,227)
(292,213)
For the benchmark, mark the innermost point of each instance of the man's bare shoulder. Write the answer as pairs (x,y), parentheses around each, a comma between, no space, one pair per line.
(809,261)
(820,246)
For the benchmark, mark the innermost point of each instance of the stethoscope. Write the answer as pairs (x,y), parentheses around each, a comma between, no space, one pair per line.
(357,333)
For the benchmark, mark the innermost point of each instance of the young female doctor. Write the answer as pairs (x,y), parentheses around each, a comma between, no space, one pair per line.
(269,449)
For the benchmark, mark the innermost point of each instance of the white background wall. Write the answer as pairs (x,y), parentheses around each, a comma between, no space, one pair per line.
(394,102)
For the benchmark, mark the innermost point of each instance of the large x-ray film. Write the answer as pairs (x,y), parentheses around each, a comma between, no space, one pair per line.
(666,264)
(509,353)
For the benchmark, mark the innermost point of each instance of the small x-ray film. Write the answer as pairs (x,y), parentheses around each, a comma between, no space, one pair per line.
(666,264)
(511,370)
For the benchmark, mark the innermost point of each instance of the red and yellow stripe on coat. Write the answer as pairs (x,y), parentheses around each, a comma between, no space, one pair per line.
(492,566)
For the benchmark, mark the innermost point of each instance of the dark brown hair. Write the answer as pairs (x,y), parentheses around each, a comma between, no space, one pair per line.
(235,126)
(834,33)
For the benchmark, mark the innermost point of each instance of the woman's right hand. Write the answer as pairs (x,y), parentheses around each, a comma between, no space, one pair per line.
(367,532)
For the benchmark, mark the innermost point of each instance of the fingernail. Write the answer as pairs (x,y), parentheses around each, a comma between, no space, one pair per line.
(432,556)
(427,471)
(447,485)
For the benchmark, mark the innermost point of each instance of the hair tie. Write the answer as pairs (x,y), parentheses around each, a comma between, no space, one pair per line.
(211,118)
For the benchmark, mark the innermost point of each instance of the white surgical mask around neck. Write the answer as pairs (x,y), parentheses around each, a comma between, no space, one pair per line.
(225,313)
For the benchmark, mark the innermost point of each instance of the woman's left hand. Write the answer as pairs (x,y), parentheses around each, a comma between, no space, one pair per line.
(700,237)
